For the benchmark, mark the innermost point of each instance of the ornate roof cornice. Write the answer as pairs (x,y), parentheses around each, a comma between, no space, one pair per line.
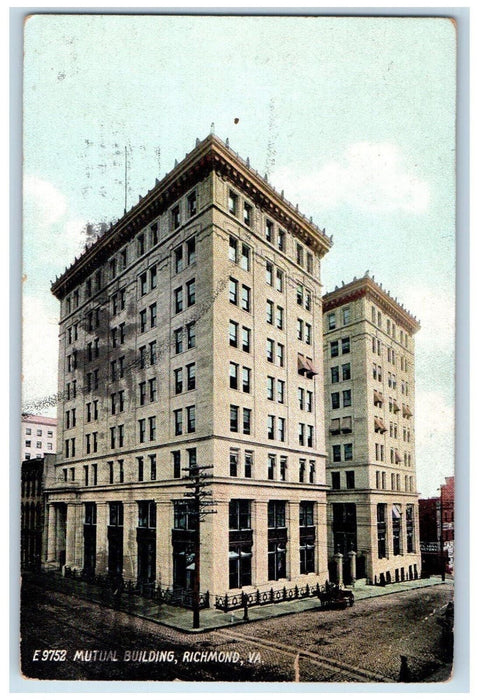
(208,155)
(366,286)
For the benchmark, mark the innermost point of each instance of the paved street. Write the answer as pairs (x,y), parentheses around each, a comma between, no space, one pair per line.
(360,644)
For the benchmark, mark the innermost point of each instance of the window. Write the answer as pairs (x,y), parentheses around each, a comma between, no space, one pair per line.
(312,471)
(336,480)
(178,375)
(334,348)
(269,274)
(246,339)
(280,391)
(331,321)
(152,467)
(153,315)
(234,457)
(281,429)
(348,452)
(176,457)
(279,318)
(178,256)
(271,427)
(301,433)
(269,231)
(175,217)
(233,203)
(234,410)
(233,374)
(346,316)
(142,327)
(154,234)
(349,480)
(178,335)
(143,284)
(178,297)
(302,470)
(248,463)
(279,280)
(280,354)
(281,240)
(153,277)
(336,453)
(233,291)
(245,258)
(346,369)
(246,380)
(245,298)
(190,377)
(247,214)
(233,249)
(233,334)
(299,254)
(246,421)
(271,466)
(190,292)
(300,294)
(334,375)
(345,346)
(335,399)
(178,419)
(299,329)
(347,398)
(309,263)
(191,335)
(283,468)
(140,241)
(270,350)
(191,204)
(269,311)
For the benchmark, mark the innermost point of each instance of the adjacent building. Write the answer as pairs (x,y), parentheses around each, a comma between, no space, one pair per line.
(191,332)
(436,523)
(32,530)
(39,436)
(369,414)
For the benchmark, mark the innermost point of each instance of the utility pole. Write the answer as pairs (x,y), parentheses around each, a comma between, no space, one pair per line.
(199,497)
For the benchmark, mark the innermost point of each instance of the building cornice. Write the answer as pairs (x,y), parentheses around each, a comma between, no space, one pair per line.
(367,287)
(209,155)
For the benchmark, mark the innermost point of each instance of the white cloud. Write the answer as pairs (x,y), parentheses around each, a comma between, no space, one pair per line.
(434,440)
(47,202)
(369,176)
(434,307)
(40,347)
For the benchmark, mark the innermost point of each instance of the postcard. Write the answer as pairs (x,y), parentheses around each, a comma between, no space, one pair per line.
(238,348)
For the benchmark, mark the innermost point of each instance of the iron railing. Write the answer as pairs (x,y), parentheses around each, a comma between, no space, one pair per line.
(233,601)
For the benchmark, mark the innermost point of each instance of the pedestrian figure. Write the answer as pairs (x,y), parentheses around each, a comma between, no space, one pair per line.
(404,675)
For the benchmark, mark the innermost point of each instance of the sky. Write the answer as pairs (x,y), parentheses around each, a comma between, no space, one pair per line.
(353,117)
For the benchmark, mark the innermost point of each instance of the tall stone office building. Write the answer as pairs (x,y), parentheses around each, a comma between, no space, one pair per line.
(191,333)
(369,407)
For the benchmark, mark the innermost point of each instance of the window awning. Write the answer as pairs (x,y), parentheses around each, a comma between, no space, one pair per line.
(302,366)
(396,510)
(397,456)
(379,424)
(346,424)
(311,369)
(406,411)
(395,406)
(378,397)
(335,428)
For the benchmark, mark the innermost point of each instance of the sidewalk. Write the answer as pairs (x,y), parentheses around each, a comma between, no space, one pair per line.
(181,619)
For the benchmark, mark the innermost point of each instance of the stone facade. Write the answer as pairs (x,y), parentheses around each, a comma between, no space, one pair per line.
(369,408)
(191,333)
